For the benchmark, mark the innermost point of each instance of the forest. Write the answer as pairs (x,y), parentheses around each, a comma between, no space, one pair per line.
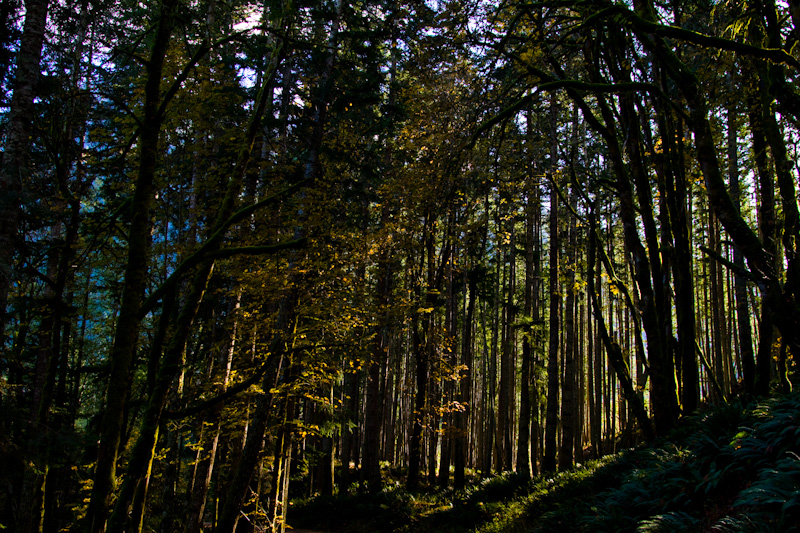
(258,256)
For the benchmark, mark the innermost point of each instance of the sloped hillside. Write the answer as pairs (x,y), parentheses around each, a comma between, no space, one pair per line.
(731,468)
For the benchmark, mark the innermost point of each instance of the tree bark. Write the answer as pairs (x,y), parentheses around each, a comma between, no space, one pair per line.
(779,300)
(505,404)
(613,349)
(767,231)
(16,149)
(135,280)
(551,423)
(529,291)
(718,326)
(370,469)
(465,386)
(568,388)
(683,278)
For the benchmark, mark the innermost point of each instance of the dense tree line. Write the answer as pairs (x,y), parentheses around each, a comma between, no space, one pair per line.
(253,251)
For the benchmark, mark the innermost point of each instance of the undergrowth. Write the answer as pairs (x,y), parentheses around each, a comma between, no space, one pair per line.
(731,468)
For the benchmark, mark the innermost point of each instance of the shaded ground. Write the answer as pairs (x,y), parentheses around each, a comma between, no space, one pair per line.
(731,468)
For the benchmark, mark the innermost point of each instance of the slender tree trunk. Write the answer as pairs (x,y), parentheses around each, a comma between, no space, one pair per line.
(16,149)
(568,389)
(525,410)
(717,308)
(370,472)
(421,325)
(135,280)
(551,423)
(614,351)
(210,436)
(494,441)
(465,386)
(677,195)
(767,232)
(648,271)
(594,365)
(278,497)
(421,375)
(505,404)
(451,360)
(350,426)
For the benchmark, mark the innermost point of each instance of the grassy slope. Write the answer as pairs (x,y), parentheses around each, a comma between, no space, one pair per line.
(728,469)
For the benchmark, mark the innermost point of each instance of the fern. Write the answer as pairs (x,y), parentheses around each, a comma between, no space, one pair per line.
(776,493)
(669,522)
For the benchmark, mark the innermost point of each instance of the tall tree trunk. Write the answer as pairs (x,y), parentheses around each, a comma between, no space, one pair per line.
(717,309)
(677,195)
(568,389)
(17,146)
(422,326)
(525,410)
(465,386)
(350,424)
(551,423)
(505,404)
(594,366)
(648,270)
(418,417)
(135,280)
(370,471)
(613,349)
(768,234)
(451,360)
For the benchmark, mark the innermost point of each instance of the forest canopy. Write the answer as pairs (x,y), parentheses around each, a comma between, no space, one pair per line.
(257,250)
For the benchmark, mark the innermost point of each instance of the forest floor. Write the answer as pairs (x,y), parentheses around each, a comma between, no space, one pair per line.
(732,468)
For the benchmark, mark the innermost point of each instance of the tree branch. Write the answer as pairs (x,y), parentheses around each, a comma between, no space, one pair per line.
(201,253)
(774,55)
(258,250)
(733,267)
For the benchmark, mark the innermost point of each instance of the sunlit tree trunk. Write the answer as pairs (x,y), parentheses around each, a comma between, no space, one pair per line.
(613,349)
(594,366)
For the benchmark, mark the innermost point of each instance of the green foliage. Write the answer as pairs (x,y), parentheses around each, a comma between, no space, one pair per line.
(728,468)
(672,521)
